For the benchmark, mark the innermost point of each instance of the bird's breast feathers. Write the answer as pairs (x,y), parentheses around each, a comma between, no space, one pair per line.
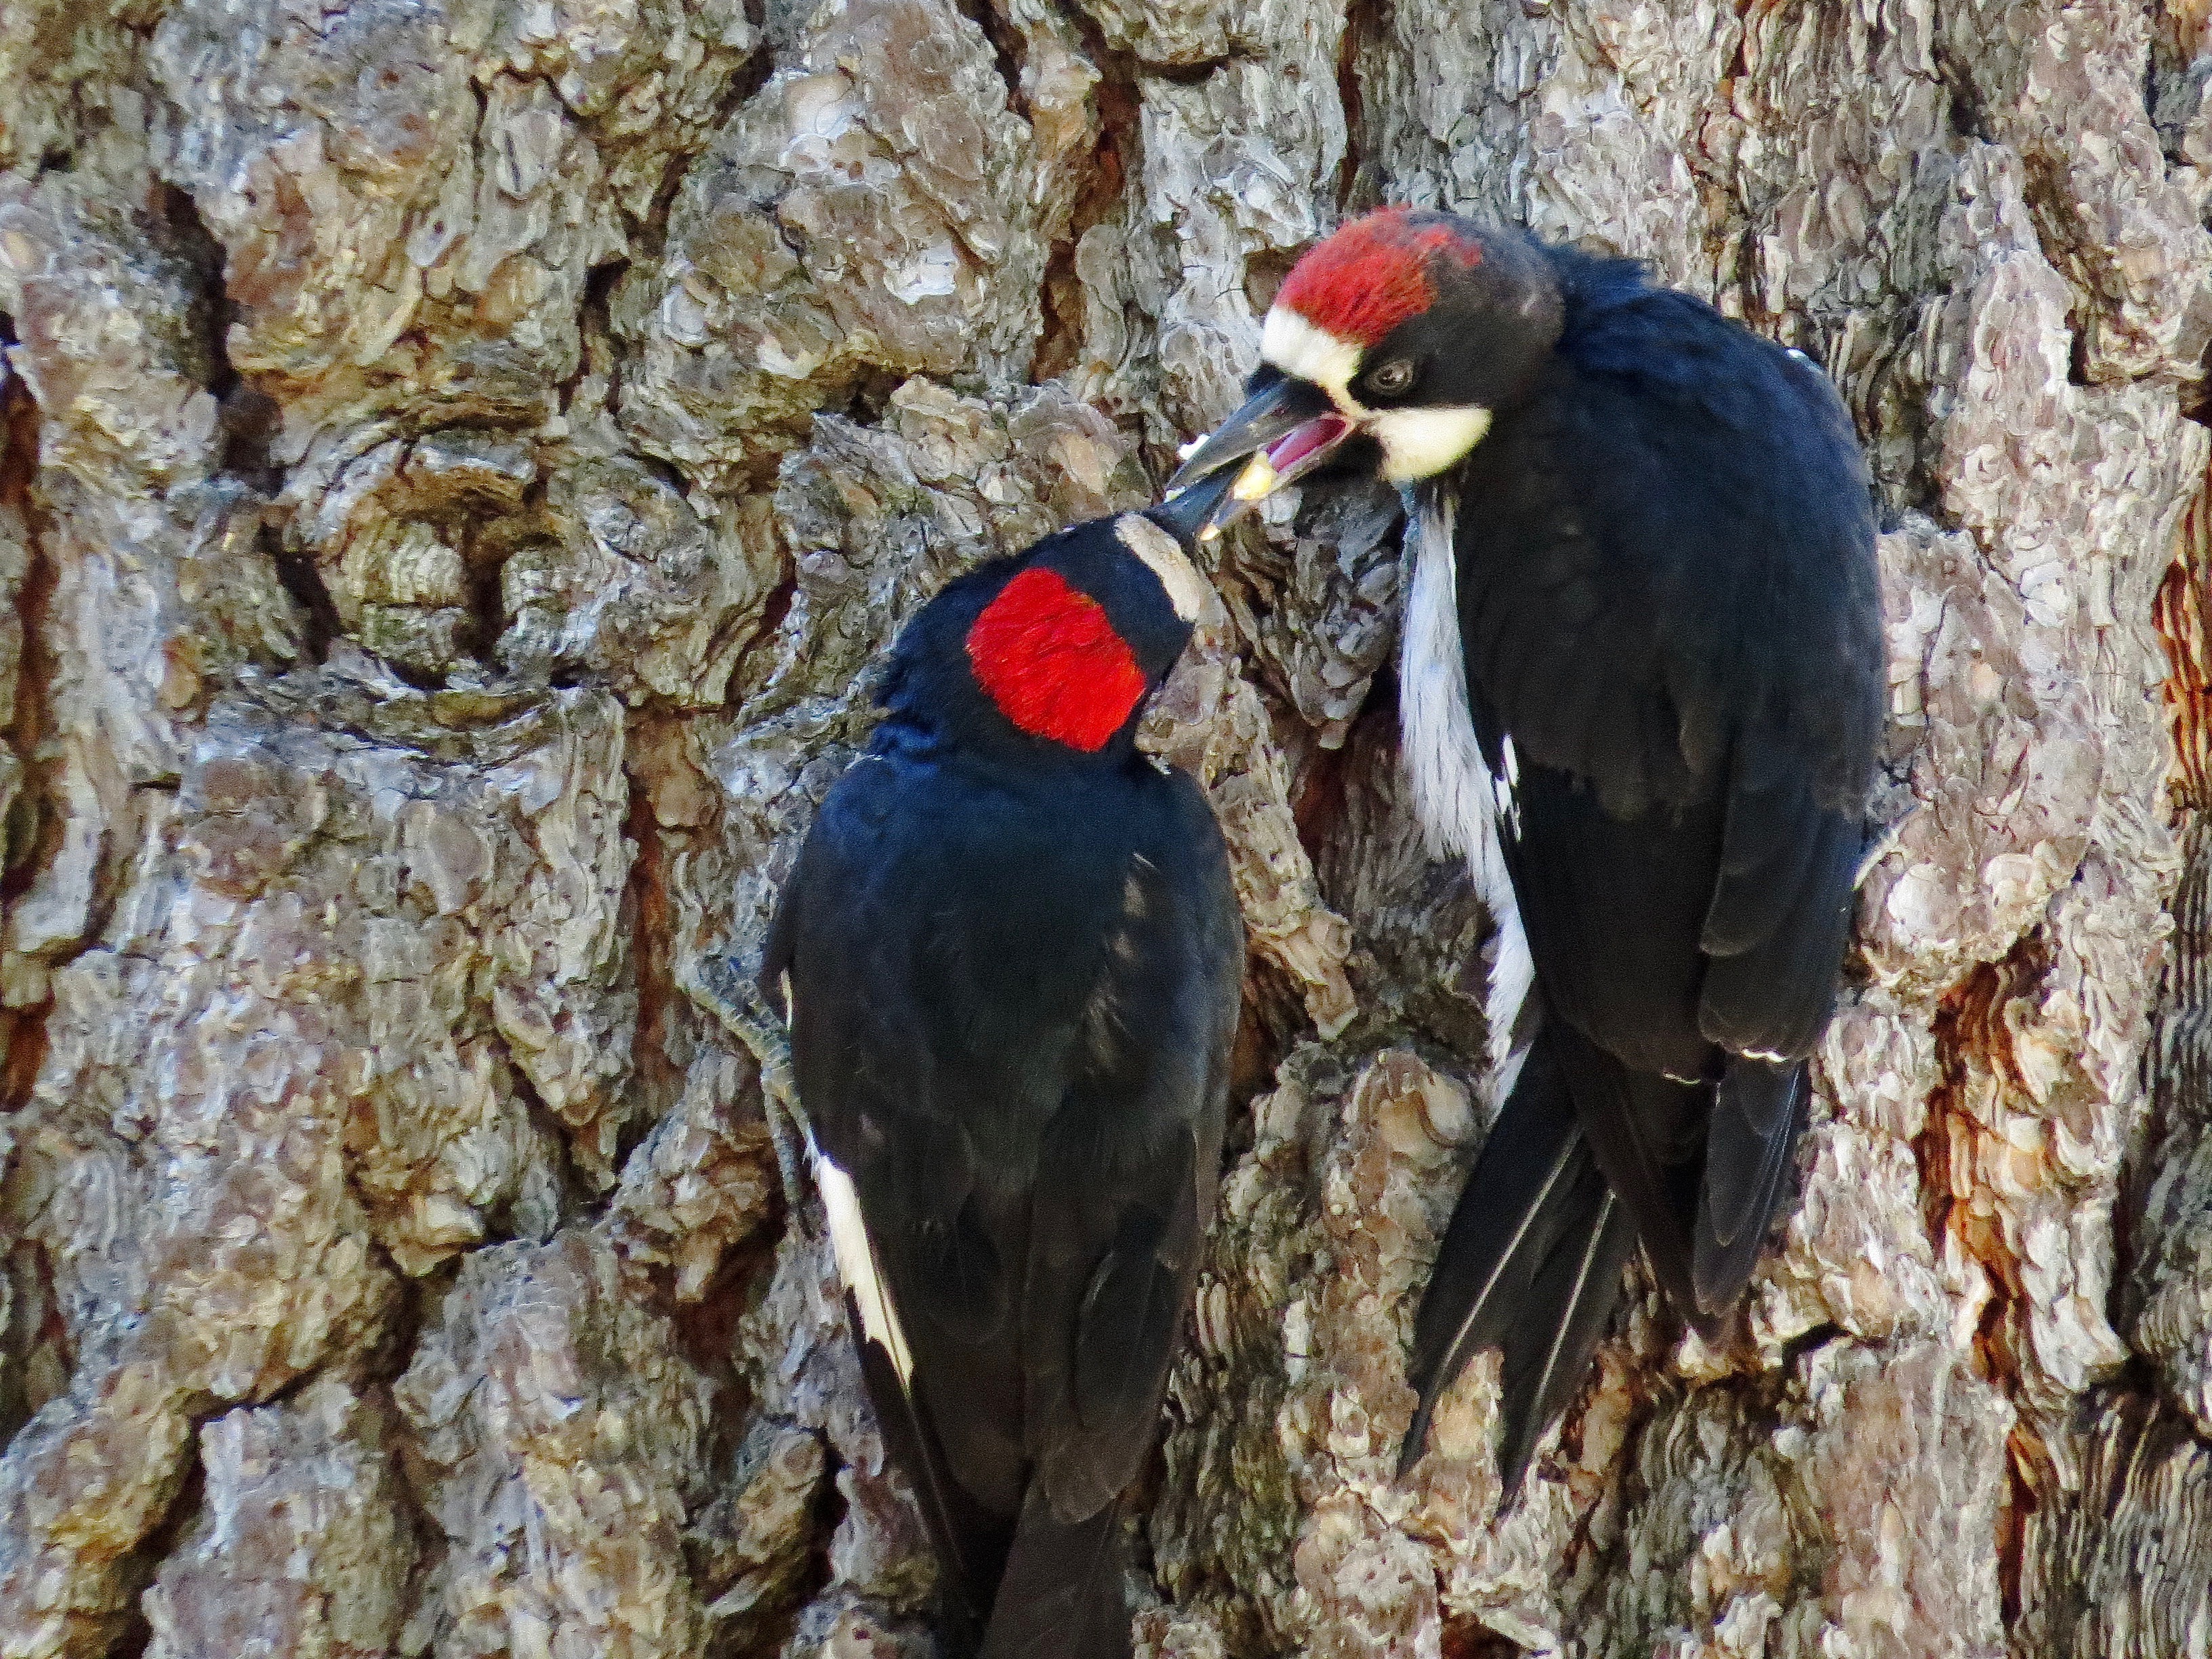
(1464,806)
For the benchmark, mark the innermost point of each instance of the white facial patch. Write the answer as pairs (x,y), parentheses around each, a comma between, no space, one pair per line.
(1460,805)
(1419,443)
(1163,555)
(1416,443)
(1306,352)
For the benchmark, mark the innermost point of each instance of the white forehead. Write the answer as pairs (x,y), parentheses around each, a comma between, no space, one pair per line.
(1308,352)
(1164,558)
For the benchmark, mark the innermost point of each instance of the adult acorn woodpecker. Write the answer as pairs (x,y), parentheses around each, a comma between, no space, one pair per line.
(1011,956)
(1641,691)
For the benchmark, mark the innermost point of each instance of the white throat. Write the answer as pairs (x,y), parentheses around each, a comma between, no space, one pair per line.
(1419,443)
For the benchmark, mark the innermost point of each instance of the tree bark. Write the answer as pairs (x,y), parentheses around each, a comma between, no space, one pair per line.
(458,461)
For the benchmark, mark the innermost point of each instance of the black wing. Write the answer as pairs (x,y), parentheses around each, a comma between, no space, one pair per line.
(1670,607)
(1062,1596)
(1012,1016)
(1127,1172)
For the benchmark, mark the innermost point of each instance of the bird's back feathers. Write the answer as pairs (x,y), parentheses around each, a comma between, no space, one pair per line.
(1669,607)
(1013,993)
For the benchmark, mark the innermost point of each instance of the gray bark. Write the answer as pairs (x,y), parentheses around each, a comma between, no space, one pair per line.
(458,460)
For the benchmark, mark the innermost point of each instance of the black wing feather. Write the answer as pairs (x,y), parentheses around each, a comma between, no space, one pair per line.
(1062,1596)
(1116,1253)
(1764,852)
(1127,1315)
(1774,994)
(1613,909)
(1758,1110)
(1646,1133)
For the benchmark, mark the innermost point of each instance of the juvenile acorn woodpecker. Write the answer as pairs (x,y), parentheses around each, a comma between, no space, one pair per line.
(1641,691)
(1011,956)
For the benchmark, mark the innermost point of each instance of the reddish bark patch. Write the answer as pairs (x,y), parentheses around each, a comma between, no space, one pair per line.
(2179,614)
(1470,1638)
(1971,1035)
(30,836)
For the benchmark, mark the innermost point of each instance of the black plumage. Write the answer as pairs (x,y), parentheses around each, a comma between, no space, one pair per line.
(1014,967)
(1654,530)
(1669,608)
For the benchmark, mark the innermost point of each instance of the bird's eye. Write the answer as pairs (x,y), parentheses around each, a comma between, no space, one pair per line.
(1392,378)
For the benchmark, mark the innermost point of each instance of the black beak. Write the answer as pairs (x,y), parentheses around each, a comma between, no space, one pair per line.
(1283,431)
(1188,514)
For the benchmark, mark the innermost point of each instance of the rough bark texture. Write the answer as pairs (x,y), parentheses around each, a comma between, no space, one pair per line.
(458,460)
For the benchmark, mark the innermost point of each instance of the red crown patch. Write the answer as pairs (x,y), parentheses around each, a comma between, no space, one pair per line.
(1373,274)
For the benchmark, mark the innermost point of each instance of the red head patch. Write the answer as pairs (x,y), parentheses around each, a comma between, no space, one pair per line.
(1052,662)
(1375,273)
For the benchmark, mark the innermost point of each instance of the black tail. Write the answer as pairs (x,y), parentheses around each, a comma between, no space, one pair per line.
(1530,1264)
(1062,1596)
(970,1546)
(1758,1112)
(1647,1135)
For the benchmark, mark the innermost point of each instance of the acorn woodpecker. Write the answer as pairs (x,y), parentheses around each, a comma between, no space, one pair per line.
(1011,958)
(1641,691)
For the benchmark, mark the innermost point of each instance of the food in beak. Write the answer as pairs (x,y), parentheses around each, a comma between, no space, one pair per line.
(1287,458)
(1257,479)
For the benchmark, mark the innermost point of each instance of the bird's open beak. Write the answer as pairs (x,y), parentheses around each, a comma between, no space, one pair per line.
(1284,431)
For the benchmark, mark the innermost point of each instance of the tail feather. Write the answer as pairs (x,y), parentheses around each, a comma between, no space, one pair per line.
(1758,1112)
(1062,1596)
(1647,1134)
(1547,1357)
(1530,1264)
(971,1543)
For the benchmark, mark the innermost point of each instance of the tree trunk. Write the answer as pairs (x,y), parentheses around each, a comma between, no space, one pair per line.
(458,461)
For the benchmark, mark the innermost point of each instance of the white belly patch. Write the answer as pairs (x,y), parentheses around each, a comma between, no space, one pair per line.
(1463,807)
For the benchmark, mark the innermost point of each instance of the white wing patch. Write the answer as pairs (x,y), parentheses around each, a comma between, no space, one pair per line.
(856,1260)
(1460,805)
(1505,792)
